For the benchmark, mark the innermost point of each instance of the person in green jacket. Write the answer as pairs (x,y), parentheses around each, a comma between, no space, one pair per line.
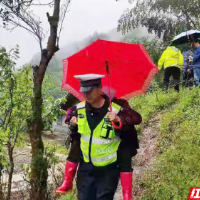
(172,60)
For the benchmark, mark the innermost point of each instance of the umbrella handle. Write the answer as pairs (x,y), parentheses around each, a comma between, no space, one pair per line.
(117,127)
(113,124)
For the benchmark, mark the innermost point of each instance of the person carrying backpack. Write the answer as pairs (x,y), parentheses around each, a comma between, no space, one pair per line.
(126,150)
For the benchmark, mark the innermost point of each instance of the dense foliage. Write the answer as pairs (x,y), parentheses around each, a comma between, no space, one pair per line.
(165,18)
(16,113)
(15,103)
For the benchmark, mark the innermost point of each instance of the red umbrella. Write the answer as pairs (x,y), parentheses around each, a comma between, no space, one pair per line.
(129,67)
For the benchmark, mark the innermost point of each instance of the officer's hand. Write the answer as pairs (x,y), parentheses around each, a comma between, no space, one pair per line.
(113,117)
(73,121)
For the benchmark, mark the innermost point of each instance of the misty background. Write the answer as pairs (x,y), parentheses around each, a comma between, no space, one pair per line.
(86,21)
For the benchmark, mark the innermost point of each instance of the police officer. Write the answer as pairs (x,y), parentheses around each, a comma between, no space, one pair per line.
(127,149)
(98,175)
(172,60)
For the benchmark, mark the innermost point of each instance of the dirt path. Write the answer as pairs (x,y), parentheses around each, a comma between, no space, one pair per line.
(146,156)
(22,155)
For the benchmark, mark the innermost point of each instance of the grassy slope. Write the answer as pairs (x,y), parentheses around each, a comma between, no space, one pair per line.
(178,165)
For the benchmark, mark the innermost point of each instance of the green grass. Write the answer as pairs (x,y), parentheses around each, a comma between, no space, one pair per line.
(69,196)
(152,103)
(60,149)
(177,168)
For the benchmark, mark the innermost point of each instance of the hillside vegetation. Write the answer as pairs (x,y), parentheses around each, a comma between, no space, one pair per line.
(176,169)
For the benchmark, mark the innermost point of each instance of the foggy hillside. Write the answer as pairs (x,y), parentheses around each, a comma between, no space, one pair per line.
(71,48)
(113,35)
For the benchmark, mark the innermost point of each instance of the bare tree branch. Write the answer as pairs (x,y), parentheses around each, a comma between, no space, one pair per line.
(64,9)
(23,18)
(43,4)
(20,154)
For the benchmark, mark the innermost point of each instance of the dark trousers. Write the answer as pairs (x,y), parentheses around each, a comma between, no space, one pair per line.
(175,72)
(124,157)
(75,149)
(188,79)
(97,184)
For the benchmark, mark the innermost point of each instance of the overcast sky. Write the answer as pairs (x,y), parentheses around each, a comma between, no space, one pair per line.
(84,18)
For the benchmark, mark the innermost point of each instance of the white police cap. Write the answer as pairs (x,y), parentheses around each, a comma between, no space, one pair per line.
(89,81)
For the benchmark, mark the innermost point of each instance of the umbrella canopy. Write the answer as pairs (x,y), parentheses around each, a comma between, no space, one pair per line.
(185,37)
(130,68)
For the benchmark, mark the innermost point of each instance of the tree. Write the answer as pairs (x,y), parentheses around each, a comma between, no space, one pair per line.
(15,90)
(165,18)
(15,102)
(18,13)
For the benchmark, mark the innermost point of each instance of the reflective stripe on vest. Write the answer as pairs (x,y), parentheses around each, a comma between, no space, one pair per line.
(100,146)
(103,159)
(99,141)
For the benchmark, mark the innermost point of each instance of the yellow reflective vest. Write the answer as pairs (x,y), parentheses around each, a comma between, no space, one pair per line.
(100,146)
(171,57)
